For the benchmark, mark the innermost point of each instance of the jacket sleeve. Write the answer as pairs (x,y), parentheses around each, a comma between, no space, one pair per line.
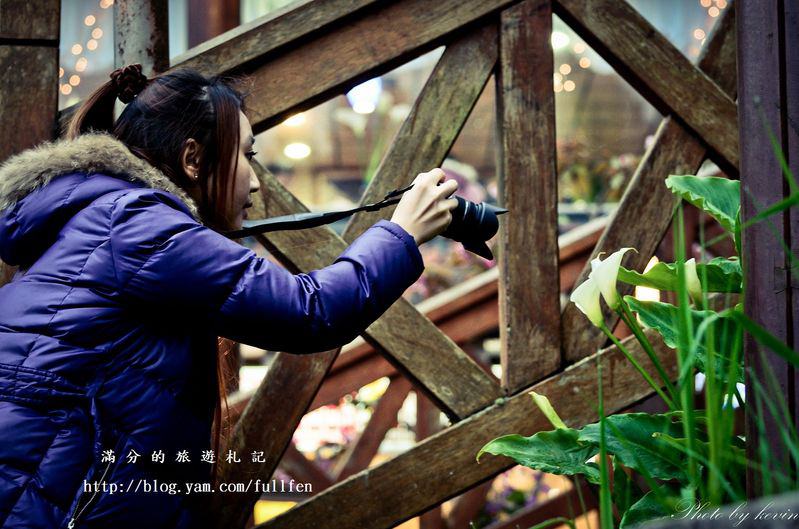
(164,258)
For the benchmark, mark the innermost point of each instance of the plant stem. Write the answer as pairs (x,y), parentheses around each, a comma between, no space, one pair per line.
(638,367)
(629,318)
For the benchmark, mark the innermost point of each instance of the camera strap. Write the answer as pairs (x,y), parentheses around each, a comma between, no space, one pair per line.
(301,221)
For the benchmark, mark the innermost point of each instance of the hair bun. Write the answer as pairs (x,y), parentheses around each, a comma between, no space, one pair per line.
(128,81)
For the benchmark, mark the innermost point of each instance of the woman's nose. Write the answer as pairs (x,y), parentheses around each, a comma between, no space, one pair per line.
(255,184)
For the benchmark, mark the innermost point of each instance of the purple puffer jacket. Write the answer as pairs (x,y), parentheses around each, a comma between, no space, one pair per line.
(108,332)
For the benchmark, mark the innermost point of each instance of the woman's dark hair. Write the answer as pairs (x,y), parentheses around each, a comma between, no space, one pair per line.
(161,114)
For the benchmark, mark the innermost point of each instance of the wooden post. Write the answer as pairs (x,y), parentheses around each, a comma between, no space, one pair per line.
(141,34)
(209,18)
(529,282)
(765,34)
(29,37)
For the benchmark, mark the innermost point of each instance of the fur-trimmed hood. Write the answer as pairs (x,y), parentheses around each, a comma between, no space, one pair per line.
(93,152)
(35,204)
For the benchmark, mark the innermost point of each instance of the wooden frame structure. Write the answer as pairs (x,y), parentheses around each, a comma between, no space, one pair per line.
(339,43)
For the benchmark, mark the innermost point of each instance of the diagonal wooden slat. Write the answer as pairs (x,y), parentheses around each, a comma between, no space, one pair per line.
(362,451)
(427,132)
(647,206)
(658,71)
(296,465)
(456,380)
(444,465)
(529,284)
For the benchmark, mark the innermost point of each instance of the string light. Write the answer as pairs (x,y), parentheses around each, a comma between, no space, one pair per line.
(557,77)
(105,4)
(91,45)
(297,151)
(569,86)
(77,49)
(579,47)
(89,20)
(74,80)
(713,11)
(66,89)
(585,62)
(81,64)
(705,3)
(565,69)
(97,33)
(60,73)
(699,34)
(721,4)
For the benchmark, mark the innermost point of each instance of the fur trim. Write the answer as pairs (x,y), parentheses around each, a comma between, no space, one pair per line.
(92,152)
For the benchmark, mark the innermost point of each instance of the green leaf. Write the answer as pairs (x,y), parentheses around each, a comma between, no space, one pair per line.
(663,317)
(556,452)
(723,275)
(631,440)
(650,508)
(719,197)
(546,408)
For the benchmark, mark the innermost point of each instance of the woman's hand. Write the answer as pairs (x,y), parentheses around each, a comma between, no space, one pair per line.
(424,210)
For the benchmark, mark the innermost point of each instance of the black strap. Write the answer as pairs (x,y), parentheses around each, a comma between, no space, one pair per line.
(301,221)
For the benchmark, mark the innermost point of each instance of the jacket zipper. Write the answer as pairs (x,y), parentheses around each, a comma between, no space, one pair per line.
(78,511)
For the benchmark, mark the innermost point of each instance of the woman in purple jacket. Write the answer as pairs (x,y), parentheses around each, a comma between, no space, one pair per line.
(109,330)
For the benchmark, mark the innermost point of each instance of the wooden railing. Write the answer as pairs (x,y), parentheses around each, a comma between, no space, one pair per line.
(315,50)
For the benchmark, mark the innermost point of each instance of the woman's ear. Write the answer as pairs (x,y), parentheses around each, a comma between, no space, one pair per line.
(190,159)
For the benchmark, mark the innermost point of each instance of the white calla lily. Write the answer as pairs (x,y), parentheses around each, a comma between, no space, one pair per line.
(586,297)
(604,274)
(692,280)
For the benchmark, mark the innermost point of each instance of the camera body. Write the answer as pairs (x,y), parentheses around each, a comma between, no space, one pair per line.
(473,224)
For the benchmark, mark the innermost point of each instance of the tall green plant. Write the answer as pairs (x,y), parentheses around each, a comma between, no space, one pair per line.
(689,453)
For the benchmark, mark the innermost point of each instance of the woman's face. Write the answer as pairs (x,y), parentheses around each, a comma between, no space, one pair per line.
(245,181)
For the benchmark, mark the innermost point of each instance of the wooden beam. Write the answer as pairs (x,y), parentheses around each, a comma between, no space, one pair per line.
(444,465)
(427,423)
(29,40)
(529,288)
(304,470)
(361,451)
(209,18)
(468,506)
(646,208)
(141,30)
(768,280)
(658,71)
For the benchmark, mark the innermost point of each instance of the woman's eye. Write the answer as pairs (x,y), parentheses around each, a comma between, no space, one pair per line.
(250,155)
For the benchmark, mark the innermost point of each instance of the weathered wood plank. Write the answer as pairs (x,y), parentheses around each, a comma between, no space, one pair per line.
(427,424)
(658,70)
(647,206)
(363,450)
(444,465)
(529,285)
(767,272)
(468,506)
(32,21)
(304,470)
(427,132)
(142,34)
